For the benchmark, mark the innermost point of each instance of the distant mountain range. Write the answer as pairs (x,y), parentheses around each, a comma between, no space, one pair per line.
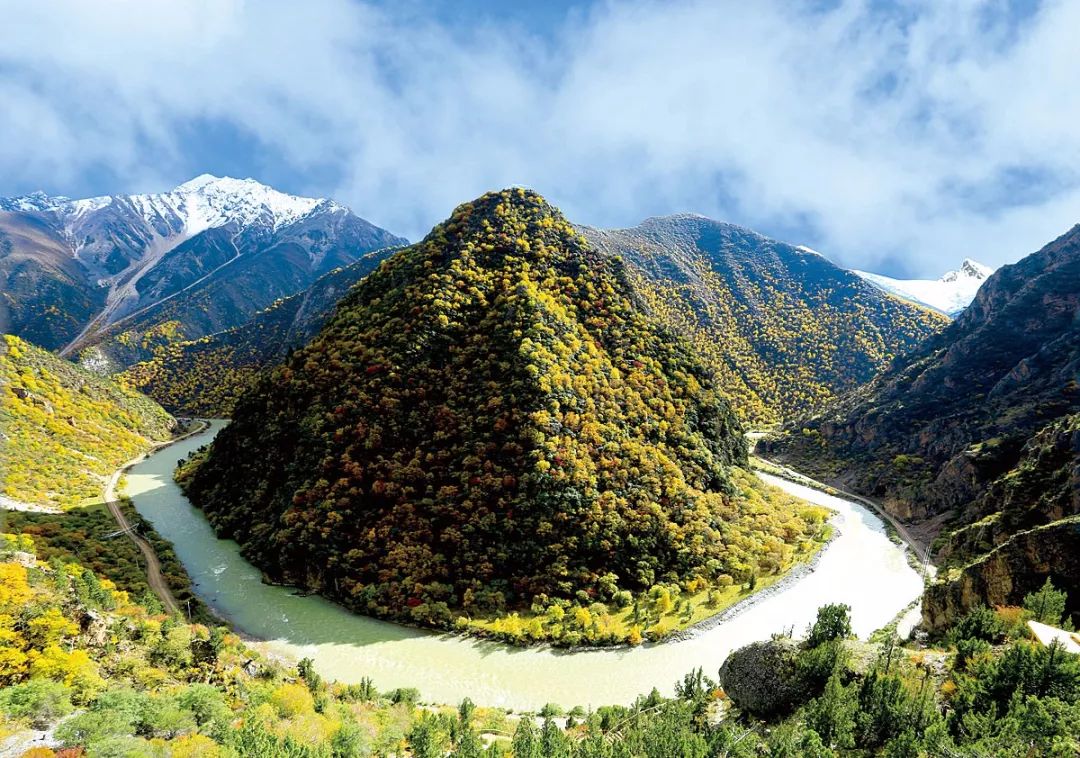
(950,294)
(784,328)
(187,294)
(119,275)
(975,437)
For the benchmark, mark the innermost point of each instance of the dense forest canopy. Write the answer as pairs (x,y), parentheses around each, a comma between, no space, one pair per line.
(488,418)
(784,329)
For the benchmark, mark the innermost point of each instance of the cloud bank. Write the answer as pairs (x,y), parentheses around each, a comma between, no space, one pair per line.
(891,136)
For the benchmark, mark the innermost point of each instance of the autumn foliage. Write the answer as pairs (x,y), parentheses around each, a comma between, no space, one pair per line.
(487,418)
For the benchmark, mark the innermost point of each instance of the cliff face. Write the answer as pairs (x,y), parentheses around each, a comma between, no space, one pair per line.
(975,435)
(1008,573)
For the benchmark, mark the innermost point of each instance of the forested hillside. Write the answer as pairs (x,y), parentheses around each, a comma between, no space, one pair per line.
(490,421)
(975,436)
(204,377)
(63,429)
(784,329)
(104,676)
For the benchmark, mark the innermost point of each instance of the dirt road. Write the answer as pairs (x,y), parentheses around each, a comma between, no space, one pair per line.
(154,576)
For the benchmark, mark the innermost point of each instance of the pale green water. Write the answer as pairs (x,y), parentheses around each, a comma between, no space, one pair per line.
(861,567)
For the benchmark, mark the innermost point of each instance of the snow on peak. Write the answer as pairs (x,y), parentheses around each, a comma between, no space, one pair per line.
(950,294)
(203,202)
(968,269)
(212,201)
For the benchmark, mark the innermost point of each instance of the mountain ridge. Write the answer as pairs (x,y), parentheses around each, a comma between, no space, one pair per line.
(205,377)
(64,429)
(783,327)
(968,436)
(81,273)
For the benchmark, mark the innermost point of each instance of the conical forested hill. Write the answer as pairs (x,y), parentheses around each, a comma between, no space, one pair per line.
(488,418)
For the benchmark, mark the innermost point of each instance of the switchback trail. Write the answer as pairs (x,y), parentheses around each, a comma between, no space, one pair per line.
(154,576)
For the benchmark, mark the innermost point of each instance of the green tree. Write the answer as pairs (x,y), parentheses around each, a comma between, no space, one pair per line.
(1047,604)
(526,742)
(832,715)
(833,623)
(466,740)
(425,738)
(553,741)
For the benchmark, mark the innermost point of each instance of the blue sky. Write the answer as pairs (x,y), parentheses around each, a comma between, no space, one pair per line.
(893,136)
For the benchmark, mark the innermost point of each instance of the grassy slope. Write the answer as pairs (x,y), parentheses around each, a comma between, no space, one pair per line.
(65,429)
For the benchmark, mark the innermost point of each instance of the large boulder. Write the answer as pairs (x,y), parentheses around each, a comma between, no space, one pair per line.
(762,678)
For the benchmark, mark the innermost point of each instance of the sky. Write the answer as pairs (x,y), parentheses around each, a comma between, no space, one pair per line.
(898,137)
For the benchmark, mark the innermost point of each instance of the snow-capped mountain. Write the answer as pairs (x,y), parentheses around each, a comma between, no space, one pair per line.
(203,256)
(950,294)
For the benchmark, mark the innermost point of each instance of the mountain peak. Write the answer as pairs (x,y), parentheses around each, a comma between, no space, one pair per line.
(229,184)
(969,269)
(200,181)
(949,294)
(210,200)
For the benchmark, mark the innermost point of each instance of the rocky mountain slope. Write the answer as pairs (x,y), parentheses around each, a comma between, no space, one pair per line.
(489,419)
(205,377)
(784,329)
(950,294)
(63,429)
(122,274)
(976,432)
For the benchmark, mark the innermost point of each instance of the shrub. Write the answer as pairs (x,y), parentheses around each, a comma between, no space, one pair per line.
(39,701)
(833,623)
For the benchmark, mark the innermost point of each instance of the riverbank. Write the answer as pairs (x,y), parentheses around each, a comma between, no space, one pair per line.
(920,551)
(445,667)
(793,576)
(154,576)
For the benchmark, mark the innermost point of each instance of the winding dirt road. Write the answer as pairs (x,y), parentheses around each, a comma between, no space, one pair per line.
(154,576)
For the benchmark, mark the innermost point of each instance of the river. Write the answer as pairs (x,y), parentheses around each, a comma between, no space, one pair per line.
(861,567)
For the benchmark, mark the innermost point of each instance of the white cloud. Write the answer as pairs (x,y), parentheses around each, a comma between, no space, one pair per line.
(861,121)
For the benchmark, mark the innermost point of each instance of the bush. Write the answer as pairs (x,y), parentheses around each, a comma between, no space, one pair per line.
(980,623)
(408,695)
(1047,604)
(968,649)
(39,701)
(819,663)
